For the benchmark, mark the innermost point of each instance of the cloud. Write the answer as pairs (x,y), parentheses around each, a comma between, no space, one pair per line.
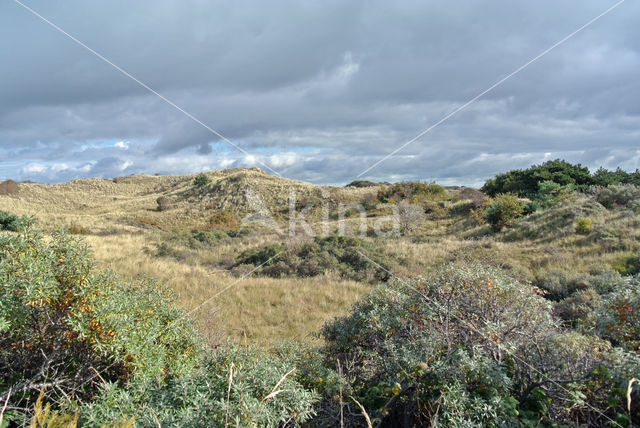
(316,91)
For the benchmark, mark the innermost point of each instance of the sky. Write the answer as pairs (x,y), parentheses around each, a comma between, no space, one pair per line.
(316,91)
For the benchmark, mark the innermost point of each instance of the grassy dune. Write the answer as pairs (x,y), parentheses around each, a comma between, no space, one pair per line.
(120,221)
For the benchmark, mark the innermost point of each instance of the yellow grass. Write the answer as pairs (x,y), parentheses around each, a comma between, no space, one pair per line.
(257,309)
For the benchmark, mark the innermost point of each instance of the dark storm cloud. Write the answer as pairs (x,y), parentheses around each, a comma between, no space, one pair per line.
(317,91)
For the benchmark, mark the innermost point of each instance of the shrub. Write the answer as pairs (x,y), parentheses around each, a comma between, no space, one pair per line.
(603,177)
(207,237)
(583,225)
(580,310)
(549,193)
(223,219)
(163,203)
(350,212)
(626,195)
(526,183)
(340,254)
(633,265)
(409,216)
(264,256)
(413,191)
(9,221)
(369,201)
(361,183)
(165,249)
(560,284)
(12,222)
(201,180)
(619,318)
(503,210)
(9,187)
(446,345)
(63,321)
(234,386)
(610,238)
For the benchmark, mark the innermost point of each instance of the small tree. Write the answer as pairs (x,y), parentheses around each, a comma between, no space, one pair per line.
(201,180)
(409,215)
(503,210)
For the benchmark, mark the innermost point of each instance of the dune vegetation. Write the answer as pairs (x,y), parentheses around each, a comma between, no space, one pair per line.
(234,297)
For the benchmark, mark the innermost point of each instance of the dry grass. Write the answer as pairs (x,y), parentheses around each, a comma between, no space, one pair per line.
(267,309)
(257,309)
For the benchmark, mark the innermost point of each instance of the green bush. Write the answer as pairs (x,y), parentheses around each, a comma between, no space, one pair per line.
(550,192)
(208,237)
(626,195)
(604,177)
(412,191)
(12,222)
(61,322)
(234,385)
(201,180)
(339,254)
(361,183)
(503,210)
(526,183)
(583,225)
(264,256)
(446,345)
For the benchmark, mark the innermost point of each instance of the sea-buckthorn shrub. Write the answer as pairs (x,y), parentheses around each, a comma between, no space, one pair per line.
(503,210)
(466,346)
(233,386)
(620,315)
(65,325)
(626,195)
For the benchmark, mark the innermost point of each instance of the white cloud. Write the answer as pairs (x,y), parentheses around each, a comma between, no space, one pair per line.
(34,168)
